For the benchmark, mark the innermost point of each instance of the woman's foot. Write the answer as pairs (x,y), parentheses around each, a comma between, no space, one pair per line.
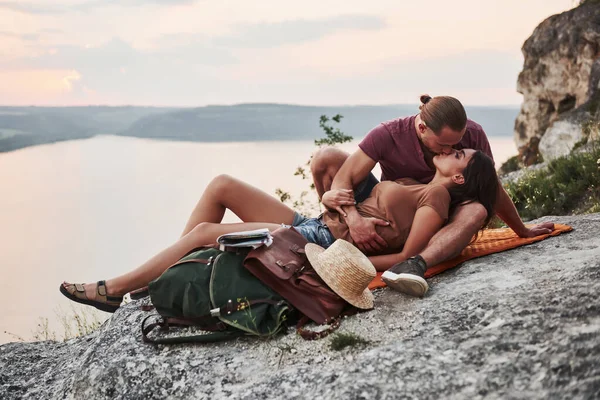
(91,294)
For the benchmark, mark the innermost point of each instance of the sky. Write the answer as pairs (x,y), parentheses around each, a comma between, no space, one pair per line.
(313,52)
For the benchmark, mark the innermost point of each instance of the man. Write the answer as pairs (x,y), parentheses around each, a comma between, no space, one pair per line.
(405,148)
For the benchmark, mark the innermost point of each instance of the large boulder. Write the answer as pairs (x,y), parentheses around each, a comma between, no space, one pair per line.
(559,81)
(520,324)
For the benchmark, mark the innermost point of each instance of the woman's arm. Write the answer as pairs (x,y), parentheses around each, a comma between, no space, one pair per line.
(506,210)
(425,224)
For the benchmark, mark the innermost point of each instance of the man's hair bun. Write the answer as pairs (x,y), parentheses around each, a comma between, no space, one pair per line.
(441,111)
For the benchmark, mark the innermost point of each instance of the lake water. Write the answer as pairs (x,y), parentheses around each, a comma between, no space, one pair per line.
(91,209)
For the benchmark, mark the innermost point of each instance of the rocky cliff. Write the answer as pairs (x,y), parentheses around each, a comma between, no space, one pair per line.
(559,82)
(520,324)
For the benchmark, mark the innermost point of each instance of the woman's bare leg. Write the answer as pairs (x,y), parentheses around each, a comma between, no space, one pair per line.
(247,202)
(201,234)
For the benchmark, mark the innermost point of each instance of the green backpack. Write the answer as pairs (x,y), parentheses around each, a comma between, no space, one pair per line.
(211,289)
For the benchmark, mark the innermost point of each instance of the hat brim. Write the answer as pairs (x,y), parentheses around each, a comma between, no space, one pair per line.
(364,300)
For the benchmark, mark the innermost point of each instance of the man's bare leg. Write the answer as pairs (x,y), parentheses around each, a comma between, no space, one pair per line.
(250,204)
(409,276)
(449,241)
(324,165)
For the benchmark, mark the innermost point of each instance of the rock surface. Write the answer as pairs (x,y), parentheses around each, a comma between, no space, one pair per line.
(519,324)
(559,80)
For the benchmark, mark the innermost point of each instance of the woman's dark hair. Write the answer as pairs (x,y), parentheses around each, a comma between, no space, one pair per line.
(441,111)
(481,185)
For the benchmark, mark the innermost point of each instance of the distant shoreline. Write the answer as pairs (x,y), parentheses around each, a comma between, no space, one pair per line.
(22,127)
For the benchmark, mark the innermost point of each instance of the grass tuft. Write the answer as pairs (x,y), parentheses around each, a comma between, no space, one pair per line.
(78,321)
(342,340)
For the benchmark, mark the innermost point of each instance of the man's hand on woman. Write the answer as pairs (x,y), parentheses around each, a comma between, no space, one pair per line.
(362,231)
(334,199)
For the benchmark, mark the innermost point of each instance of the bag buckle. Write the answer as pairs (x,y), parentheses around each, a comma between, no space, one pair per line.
(297,249)
(282,265)
(228,308)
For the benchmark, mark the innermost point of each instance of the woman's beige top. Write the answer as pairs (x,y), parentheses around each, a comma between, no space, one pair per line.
(395,202)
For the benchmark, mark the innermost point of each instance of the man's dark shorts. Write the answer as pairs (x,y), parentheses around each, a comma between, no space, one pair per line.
(364,189)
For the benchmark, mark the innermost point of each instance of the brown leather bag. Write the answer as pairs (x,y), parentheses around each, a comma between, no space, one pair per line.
(283,267)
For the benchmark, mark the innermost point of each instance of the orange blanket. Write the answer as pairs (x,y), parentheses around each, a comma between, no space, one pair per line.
(489,242)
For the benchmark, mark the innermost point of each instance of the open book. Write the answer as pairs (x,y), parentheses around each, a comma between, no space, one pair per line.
(254,239)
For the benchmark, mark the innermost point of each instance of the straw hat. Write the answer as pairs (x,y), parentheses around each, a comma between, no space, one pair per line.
(345,270)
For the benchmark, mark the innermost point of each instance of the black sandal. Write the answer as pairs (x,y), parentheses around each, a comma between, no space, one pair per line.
(76,292)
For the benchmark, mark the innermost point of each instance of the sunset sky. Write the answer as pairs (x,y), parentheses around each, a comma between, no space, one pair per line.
(326,52)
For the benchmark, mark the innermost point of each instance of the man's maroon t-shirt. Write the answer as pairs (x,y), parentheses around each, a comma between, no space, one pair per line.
(395,146)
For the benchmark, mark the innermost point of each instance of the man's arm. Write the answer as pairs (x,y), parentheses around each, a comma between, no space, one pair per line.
(506,210)
(351,173)
(341,198)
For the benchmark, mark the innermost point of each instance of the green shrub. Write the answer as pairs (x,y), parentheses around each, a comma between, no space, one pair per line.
(561,188)
(510,165)
(308,203)
(495,223)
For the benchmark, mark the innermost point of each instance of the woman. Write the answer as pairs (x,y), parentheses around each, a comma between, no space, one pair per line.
(414,213)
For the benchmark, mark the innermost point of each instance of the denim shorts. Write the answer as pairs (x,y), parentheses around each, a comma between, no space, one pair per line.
(314,230)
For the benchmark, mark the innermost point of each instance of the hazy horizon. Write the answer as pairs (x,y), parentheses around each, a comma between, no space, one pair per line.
(23,126)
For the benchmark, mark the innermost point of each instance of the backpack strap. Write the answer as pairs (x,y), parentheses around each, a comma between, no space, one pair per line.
(206,338)
(206,323)
(316,335)
(210,322)
(307,334)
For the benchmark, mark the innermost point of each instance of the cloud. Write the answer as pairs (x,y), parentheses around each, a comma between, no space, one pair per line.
(117,53)
(29,37)
(473,76)
(37,8)
(88,5)
(39,86)
(31,8)
(296,31)
(116,71)
(51,31)
(32,41)
(70,79)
